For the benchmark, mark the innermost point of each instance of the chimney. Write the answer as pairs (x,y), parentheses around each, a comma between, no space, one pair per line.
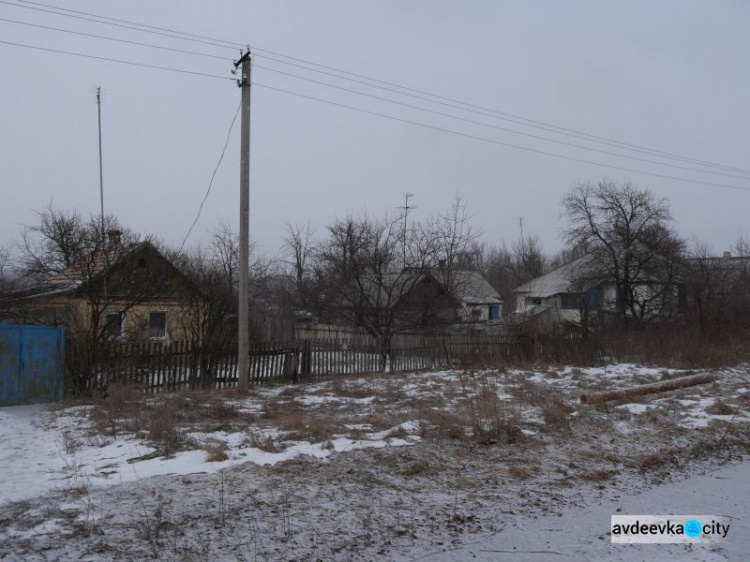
(727,255)
(114,238)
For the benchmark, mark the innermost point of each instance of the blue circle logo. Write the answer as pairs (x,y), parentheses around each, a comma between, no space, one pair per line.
(693,528)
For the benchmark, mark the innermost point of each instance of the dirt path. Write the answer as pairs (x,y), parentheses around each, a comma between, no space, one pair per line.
(29,455)
(579,534)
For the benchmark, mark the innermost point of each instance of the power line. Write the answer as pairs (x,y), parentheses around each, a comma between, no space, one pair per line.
(106,38)
(424,125)
(505,129)
(497,113)
(229,43)
(211,183)
(497,142)
(467,106)
(119,61)
(173,35)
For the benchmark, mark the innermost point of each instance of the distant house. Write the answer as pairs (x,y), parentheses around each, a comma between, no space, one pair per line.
(406,302)
(123,292)
(581,286)
(727,275)
(553,298)
(455,296)
(718,288)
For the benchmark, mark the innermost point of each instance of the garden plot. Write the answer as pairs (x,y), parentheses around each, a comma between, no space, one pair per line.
(382,466)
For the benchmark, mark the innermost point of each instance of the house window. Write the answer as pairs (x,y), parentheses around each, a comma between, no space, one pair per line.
(494,312)
(157,325)
(534,300)
(476,313)
(113,324)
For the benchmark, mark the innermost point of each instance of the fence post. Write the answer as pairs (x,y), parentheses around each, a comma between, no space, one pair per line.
(290,363)
(306,358)
(447,351)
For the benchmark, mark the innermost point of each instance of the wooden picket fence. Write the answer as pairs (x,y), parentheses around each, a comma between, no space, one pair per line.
(157,366)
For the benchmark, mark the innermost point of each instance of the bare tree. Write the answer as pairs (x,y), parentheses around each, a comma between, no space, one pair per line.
(362,260)
(387,280)
(508,267)
(630,244)
(298,250)
(742,247)
(214,269)
(61,239)
(450,238)
(718,289)
(224,251)
(7,280)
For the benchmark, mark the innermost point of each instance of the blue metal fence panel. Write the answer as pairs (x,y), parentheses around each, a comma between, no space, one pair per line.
(31,364)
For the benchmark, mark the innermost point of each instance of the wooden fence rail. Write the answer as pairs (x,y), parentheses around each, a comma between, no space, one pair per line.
(158,367)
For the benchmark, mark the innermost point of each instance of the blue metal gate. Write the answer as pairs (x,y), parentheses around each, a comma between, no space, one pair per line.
(31,364)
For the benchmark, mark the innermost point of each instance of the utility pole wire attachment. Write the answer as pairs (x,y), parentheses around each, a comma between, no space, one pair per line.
(244,57)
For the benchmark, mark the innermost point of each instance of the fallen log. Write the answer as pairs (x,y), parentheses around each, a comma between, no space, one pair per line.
(652,388)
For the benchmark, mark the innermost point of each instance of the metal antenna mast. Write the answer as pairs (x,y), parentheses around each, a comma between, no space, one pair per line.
(105,257)
(406,209)
(101,170)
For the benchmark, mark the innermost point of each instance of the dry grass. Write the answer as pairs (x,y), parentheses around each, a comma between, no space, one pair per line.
(164,431)
(219,411)
(441,424)
(350,389)
(120,411)
(720,408)
(262,441)
(491,419)
(599,475)
(555,410)
(520,472)
(416,468)
(216,450)
(655,461)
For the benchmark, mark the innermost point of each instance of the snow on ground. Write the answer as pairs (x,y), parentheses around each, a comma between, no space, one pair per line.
(36,455)
(581,533)
(31,458)
(374,467)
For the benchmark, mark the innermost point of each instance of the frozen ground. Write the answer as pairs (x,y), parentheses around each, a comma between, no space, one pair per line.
(437,466)
(579,533)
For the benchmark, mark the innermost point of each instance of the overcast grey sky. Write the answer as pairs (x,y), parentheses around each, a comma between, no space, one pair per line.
(669,75)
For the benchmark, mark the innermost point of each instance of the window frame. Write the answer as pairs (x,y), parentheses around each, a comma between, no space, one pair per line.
(107,324)
(166,324)
(496,309)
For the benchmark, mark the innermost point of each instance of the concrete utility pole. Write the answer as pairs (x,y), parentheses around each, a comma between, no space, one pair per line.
(243,344)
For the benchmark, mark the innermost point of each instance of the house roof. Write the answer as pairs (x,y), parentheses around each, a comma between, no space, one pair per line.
(88,269)
(724,263)
(468,287)
(91,265)
(465,286)
(558,281)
